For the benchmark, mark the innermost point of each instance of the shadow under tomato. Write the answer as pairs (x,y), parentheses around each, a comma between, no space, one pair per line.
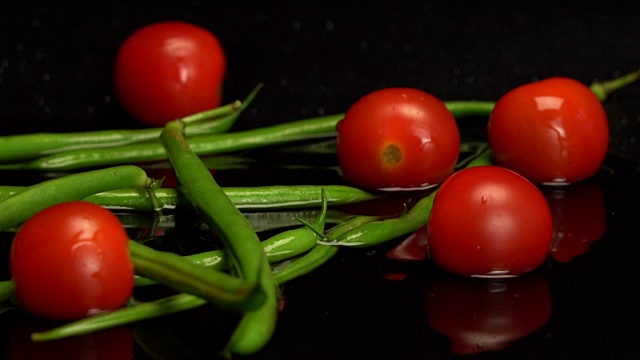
(579,218)
(112,343)
(482,315)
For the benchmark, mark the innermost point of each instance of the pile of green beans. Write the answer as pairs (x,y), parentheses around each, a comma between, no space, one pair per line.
(246,273)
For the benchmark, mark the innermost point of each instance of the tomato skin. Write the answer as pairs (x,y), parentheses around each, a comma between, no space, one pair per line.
(489,221)
(167,70)
(397,138)
(551,131)
(71,260)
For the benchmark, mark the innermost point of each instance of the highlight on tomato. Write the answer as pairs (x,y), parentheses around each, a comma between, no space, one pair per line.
(397,139)
(71,260)
(168,70)
(480,315)
(551,131)
(489,221)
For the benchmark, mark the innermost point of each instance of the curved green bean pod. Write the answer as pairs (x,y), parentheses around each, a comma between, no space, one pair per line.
(26,146)
(122,316)
(17,208)
(202,145)
(246,198)
(183,275)
(211,203)
(284,245)
(320,253)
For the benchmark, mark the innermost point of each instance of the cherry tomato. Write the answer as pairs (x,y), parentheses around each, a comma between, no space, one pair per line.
(397,138)
(551,131)
(168,70)
(489,221)
(71,260)
(479,315)
(579,218)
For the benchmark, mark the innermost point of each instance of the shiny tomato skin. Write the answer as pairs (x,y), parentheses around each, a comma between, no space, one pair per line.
(167,70)
(397,138)
(71,260)
(551,131)
(489,221)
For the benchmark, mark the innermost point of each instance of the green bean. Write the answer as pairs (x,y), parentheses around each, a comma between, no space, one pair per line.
(239,239)
(17,208)
(202,145)
(603,89)
(122,316)
(180,274)
(211,203)
(26,146)
(319,254)
(284,245)
(6,290)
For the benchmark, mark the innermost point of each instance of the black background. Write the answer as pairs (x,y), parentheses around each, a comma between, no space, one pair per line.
(319,57)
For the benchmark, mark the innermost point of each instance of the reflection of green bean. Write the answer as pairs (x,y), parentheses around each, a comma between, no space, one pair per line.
(246,198)
(19,207)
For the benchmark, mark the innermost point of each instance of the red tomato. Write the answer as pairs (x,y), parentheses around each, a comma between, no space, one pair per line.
(579,218)
(71,260)
(551,131)
(397,138)
(489,221)
(482,316)
(169,70)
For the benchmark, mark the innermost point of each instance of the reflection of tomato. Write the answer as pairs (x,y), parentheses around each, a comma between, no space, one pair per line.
(479,315)
(397,138)
(414,247)
(579,218)
(390,204)
(112,343)
(554,130)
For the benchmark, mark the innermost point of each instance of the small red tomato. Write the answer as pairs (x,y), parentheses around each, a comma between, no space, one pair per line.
(489,221)
(71,260)
(551,131)
(397,138)
(168,70)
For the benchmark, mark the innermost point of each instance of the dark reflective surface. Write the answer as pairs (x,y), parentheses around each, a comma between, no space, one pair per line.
(385,302)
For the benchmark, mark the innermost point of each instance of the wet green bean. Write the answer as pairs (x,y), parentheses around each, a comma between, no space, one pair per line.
(6,290)
(319,254)
(245,198)
(180,274)
(27,146)
(17,208)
